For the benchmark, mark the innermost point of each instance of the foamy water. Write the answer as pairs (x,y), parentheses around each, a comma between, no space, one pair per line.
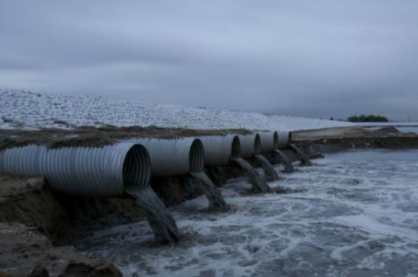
(355,214)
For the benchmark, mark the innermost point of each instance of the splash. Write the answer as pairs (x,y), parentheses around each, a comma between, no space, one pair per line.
(258,183)
(304,160)
(268,168)
(216,200)
(288,166)
(162,223)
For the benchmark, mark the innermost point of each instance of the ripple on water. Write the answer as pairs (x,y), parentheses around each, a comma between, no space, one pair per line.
(355,214)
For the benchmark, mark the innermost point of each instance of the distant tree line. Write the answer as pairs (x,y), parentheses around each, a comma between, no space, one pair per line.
(368,118)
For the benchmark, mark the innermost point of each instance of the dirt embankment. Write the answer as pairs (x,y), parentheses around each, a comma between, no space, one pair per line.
(60,217)
(99,137)
(35,220)
(26,252)
(335,139)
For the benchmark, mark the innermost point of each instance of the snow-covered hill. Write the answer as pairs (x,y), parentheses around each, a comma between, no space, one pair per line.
(29,109)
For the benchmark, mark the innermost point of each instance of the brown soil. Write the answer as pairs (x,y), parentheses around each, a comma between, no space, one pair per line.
(26,252)
(98,137)
(60,217)
(387,130)
(334,139)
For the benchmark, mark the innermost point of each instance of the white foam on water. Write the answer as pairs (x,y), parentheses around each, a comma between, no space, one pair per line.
(352,214)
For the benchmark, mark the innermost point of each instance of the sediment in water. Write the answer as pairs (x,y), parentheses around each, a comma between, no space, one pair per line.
(304,160)
(216,200)
(258,183)
(267,167)
(288,166)
(162,223)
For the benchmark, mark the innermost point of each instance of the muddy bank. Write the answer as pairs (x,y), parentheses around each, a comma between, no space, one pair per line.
(26,252)
(339,139)
(36,222)
(60,217)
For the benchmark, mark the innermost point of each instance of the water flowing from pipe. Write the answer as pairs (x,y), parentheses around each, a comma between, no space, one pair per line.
(214,195)
(268,167)
(258,183)
(304,160)
(162,223)
(288,166)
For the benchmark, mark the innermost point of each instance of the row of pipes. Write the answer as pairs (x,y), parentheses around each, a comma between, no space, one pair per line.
(106,171)
(126,168)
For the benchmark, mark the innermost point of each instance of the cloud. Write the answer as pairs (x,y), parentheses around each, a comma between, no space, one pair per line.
(311,58)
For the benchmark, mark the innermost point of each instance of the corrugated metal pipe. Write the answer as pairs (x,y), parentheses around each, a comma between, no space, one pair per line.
(220,149)
(269,141)
(82,170)
(22,161)
(250,145)
(183,156)
(170,157)
(284,139)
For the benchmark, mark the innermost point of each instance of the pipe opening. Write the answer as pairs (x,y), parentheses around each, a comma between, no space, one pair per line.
(257,144)
(196,156)
(137,166)
(276,140)
(236,147)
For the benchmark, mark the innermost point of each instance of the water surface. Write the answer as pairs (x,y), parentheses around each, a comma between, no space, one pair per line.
(354,214)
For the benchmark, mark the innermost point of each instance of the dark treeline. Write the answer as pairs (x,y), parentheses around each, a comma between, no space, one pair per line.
(368,118)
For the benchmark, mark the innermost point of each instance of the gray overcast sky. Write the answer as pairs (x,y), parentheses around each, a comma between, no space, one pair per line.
(298,57)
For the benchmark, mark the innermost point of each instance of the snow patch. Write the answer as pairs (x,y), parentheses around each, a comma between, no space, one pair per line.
(29,109)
